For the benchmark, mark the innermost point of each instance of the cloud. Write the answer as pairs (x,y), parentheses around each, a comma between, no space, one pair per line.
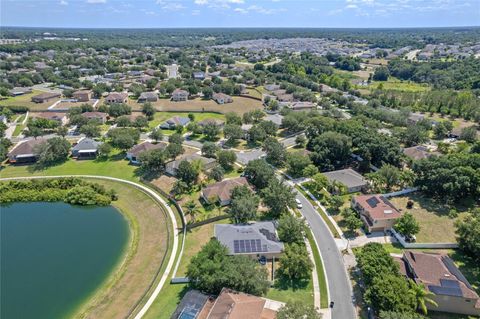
(96,1)
(171,6)
(241,10)
(63,3)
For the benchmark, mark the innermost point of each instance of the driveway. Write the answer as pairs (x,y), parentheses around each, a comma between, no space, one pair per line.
(290,141)
(339,286)
(243,157)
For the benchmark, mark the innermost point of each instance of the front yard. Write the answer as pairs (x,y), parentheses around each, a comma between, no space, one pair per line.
(435,223)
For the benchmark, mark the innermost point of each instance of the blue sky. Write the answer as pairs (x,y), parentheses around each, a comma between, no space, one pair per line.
(239,13)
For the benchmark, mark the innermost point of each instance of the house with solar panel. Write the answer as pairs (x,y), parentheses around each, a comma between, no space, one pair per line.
(254,240)
(438,273)
(376,212)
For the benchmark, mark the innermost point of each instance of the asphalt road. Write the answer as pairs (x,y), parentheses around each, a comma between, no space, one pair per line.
(338,282)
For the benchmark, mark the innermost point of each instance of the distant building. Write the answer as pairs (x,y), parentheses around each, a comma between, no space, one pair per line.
(417,152)
(272,87)
(59,117)
(86,148)
(173,122)
(348,177)
(82,96)
(172,167)
(116,97)
(180,95)
(134,153)
(222,98)
(302,106)
(148,97)
(253,240)
(16,91)
(191,305)
(45,97)
(199,75)
(100,116)
(440,276)
(221,192)
(376,212)
(209,121)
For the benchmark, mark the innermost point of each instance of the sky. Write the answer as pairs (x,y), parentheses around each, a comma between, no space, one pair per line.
(239,13)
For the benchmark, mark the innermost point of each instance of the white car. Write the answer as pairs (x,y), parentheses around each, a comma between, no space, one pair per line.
(299,204)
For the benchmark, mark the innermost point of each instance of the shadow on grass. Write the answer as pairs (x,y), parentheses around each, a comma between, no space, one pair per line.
(469,268)
(283,283)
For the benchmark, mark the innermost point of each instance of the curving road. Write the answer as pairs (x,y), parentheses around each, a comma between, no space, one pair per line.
(339,287)
(159,199)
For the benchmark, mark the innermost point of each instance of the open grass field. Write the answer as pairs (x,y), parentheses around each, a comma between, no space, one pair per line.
(147,253)
(239,105)
(435,224)
(399,85)
(26,100)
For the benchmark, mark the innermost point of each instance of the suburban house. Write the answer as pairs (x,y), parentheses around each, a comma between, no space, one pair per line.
(348,177)
(253,240)
(173,122)
(222,98)
(417,152)
(438,273)
(172,167)
(414,118)
(134,152)
(45,97)
(221,192)
(206,122)
(272,87)
(180,95)
(376,212)
(24,152)
(229,304)
(86,148)
(100,116)
(148,97)
(199,75)
(3,119)
(302,106)
(82,96)
(116,97)
(16,91)
(59,117)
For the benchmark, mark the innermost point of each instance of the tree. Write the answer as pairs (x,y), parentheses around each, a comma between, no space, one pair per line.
(275,150)
(104,150)
(191,210)
(259,173)
(296,310)
(209,149)
(119,109)
(310,170)
(140,121)
(256,134)
(148,110)
(187,173)
(381,74)
(232,133)
(124,138)
(211,270)
(318,183)
(468,233)
(156,134)
(422,296)
(295,264)
(53,151)
(291,229)
(123,121)
(207,92)
(226,159)
(278,196)
(90,130)
(244,204)
(296,164)
(216,173)
(385,178)
(300,141)
(233,118)
(335,202)
(390,292)
(211,131)
(62,131)
(352,222)
(173,150)
(179,188)
(400,315)
(153,161)
(175,138)
(469,134)
(407,225)
(34,132)
(331,150)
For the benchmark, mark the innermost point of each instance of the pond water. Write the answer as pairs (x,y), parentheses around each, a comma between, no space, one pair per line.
(54,256)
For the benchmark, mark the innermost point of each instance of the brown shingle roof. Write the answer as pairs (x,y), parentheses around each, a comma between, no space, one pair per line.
(223,190)
(26,147)
(237,305)
(146,146)
(378,206)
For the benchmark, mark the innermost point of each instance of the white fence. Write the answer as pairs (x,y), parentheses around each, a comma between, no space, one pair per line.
(402,192)
(402,241)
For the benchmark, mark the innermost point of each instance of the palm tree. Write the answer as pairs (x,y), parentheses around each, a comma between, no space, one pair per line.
(422,296)
(192,210)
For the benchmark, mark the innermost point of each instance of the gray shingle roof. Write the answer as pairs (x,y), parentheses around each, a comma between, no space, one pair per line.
(86,144)
(348,177)
(264,232)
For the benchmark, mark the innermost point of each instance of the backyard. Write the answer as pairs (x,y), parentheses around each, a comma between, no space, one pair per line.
(26,100)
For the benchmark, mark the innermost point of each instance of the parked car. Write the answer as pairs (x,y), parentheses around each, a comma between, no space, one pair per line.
(299,204)
(262,260)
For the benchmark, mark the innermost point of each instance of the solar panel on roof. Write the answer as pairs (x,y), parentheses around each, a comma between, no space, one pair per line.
(372,201)
(242,246)
(236,246)
(247,246)
(449,283)
(446,291)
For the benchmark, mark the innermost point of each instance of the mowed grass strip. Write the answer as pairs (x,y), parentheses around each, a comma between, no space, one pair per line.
(322,281)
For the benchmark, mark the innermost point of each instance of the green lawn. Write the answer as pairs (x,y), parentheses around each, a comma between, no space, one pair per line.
(161,117)
(320,272)
(301,292)
(18,129)
(26,100)
(115,166)
(399,85)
